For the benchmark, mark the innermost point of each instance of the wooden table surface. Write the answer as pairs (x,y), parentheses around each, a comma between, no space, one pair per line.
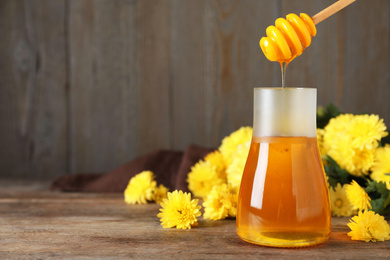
(38,224)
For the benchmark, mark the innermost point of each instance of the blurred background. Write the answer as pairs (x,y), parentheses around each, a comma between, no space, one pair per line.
(86,86)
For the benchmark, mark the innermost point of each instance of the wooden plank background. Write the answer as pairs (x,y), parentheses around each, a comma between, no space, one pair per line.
(88,85)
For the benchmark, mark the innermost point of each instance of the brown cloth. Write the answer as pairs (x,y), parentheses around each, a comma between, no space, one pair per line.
(170,168)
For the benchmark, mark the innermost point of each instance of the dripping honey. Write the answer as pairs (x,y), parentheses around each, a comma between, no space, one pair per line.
(283,198)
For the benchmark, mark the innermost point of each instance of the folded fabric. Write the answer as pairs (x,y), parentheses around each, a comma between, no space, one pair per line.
(170,168)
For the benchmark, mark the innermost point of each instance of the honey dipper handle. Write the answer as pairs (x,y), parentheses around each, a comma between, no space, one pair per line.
(330,10)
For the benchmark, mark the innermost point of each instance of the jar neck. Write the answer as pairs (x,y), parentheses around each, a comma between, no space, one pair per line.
(285,112)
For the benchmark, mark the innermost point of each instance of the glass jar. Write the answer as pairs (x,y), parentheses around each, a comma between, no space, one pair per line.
(283,199)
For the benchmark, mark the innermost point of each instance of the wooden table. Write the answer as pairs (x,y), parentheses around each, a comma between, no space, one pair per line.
(36,223)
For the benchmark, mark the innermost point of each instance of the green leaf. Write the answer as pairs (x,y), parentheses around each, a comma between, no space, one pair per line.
(382,189)
(387,202)
(381,206)
(335,173)
(377,205)
(380,196)
(324,115)
(371,186)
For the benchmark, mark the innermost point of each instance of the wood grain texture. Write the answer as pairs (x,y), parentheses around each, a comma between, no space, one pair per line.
(32,89)
(367,59)
(104,89)
(87,85)
(212,78)
(348,60)
(36,223)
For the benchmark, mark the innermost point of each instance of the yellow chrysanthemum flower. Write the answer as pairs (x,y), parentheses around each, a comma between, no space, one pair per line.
(351,141)
(160,193)
(216,159)
(362,161)
(357,196)
(234,200)
(335,130)
(220,203)
(203,177)
(320,141)
(236,168)
(230,143)
(339,203)
(366,131)
(140,188)
(357,162)
(179,211)
(369,226)
(381,167)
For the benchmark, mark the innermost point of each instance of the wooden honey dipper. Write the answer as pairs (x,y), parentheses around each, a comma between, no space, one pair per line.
(289,37)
